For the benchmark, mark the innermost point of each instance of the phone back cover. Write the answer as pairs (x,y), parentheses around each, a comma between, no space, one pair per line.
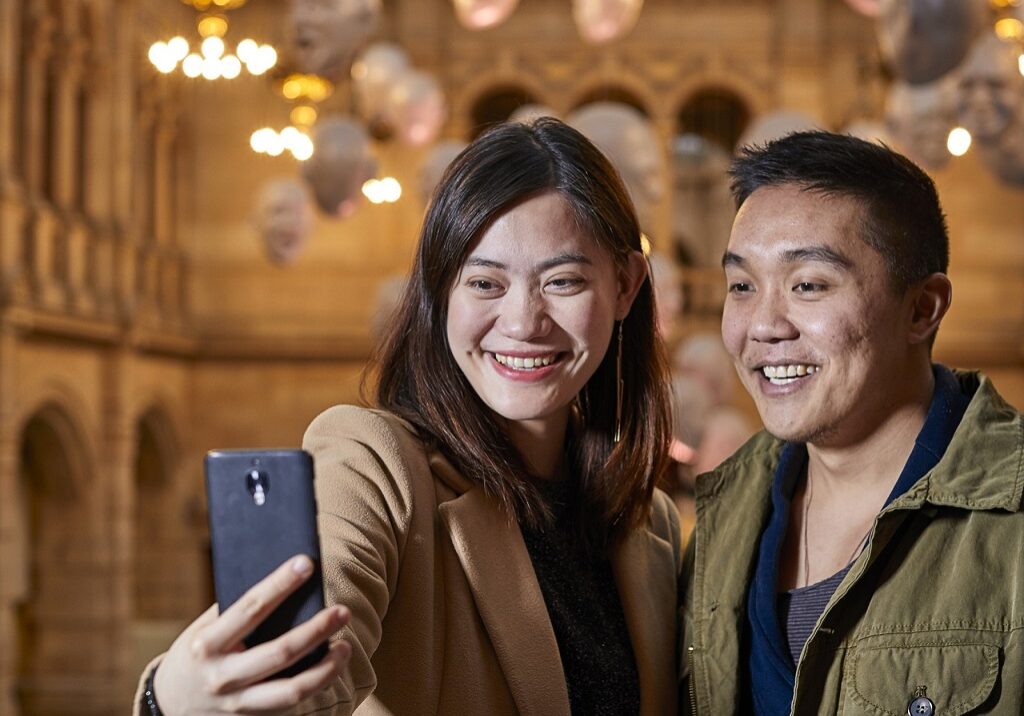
(250,540)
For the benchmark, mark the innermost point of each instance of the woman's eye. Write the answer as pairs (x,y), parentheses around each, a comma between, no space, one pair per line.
(481,284)
(565,283)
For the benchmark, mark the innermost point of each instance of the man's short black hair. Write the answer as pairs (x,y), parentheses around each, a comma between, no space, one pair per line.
(903,220)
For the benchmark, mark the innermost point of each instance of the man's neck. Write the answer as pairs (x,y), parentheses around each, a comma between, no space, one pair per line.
(871,462)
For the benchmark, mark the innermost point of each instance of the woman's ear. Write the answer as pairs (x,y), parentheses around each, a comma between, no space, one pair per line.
(631,278)
(931,298)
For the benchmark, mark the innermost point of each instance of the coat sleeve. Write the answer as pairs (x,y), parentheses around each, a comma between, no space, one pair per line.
(366,464)
(367,468)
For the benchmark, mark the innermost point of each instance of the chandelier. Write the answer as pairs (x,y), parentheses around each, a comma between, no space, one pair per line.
(212,60)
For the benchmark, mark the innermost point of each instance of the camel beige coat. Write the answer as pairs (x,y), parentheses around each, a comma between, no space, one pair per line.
(447,614)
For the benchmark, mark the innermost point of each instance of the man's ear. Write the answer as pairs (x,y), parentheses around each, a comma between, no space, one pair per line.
(631,278)
(931,298)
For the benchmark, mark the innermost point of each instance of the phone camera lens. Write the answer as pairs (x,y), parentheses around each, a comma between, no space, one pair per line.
(258,485)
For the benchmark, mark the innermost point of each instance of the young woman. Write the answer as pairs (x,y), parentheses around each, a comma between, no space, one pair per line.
(493,531)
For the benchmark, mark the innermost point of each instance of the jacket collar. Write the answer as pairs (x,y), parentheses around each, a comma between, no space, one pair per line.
(983,467)
(497,565)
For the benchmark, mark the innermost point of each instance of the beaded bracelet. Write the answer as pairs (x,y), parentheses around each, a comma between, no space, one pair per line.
(149,704)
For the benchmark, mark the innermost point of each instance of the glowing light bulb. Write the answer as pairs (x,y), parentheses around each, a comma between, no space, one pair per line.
(192,65)
(230,67)
(275,145)
(157,52)
(302,148)
(958,142)
(247,49)
(1020,63)
(178,48)
(390,189)
(212,47)
(211,68)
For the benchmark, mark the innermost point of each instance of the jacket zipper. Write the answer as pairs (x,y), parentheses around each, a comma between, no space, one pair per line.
(690,687)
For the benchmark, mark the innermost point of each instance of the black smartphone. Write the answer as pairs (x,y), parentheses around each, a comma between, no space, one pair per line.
(262,512)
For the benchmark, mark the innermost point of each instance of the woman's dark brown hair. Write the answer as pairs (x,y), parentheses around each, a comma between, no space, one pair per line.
(420,380)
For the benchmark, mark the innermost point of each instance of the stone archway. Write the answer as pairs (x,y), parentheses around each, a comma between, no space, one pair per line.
(171,583)
(64,662)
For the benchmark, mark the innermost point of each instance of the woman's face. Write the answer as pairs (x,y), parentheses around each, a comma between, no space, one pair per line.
(532,311)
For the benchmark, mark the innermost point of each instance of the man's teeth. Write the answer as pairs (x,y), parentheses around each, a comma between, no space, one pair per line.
(783,374)
(519,363)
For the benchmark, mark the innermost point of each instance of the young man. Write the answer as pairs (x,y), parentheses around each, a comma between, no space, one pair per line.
(865,554)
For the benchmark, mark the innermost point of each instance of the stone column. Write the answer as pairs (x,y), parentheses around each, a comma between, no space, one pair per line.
(13,530)
(119,438)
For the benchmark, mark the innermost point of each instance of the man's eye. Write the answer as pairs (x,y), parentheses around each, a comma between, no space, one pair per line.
(809,287)
(740,287)
(482,284)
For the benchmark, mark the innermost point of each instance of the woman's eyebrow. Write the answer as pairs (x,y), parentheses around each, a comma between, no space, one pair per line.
(570,258)
(546,265)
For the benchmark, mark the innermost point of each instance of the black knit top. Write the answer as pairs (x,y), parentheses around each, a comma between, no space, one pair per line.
(586,614)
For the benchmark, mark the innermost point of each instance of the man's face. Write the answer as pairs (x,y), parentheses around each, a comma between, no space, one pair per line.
(817,334)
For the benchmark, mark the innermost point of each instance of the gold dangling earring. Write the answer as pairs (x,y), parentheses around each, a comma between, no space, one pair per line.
(618,387)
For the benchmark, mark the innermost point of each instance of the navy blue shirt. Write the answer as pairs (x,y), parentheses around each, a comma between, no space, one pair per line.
(771,671)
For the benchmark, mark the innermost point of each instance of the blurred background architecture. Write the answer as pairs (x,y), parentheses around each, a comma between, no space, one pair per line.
(200,236)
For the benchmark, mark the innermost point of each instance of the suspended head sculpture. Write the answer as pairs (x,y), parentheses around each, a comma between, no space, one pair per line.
(630,142)
(283,218)
(341,163)
(920,118)
(924,39)
(991,89)
(324,35)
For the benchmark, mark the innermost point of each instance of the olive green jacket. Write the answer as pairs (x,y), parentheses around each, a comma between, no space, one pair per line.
(935,600)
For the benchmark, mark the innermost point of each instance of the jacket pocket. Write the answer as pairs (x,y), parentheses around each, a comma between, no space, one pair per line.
(884,678)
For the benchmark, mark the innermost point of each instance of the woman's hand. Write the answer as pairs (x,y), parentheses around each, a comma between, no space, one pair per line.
(208,670)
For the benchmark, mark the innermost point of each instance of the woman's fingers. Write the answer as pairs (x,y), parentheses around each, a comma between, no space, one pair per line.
(223,634)
(263,660)
(284,693)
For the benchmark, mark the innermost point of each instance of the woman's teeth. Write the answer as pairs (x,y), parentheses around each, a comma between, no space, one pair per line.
(785,374)
(518,363)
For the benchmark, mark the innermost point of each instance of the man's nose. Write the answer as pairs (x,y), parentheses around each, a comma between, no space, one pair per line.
(769,320)
(524,315)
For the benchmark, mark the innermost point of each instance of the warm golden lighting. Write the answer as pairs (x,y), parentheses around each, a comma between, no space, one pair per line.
(204,5)
(212,47)
(310,87)
(1010,28)
(303,116)
(291,139)
(213,26)
(382,191)
(213,60)
(959,142)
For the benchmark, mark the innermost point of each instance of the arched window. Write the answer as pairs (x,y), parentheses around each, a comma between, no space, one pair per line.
(63,624)
(716,114)
(612,93)
(496,106)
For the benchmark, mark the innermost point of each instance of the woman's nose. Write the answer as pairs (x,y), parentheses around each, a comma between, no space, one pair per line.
(524,316)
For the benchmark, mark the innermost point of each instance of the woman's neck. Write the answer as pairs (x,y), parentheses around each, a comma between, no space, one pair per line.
(541,444)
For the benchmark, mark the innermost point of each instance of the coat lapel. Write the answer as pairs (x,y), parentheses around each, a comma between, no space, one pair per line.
(644,566)
(493,555)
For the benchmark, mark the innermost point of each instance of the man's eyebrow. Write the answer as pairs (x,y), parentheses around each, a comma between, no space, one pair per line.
(821,254)
(569,258)
(731,259)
